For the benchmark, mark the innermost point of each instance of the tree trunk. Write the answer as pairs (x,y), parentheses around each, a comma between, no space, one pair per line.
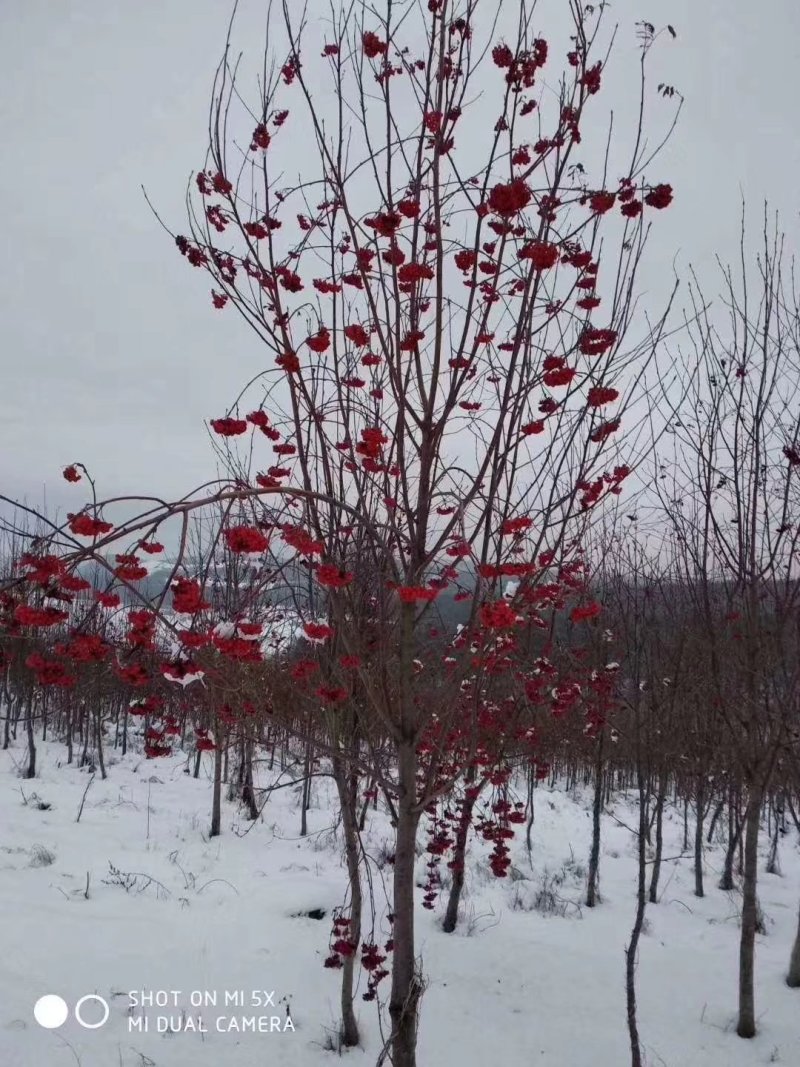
(773,866)
(592,894)
(17,717)
(659,811)
(734,836)
(248,791)
(216,803)
(698,839)
(633,944)
(98,731)
(362,818)
(5,708)
(746,1026)
(714,820)
(305,802)
(31,770)
(406,982)
(459,854)
(85,732)
(793,813)
(347,786)
(531,812)
(793,976)
(70,729)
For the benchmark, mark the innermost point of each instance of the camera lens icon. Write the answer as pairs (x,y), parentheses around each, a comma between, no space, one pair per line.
(52,1011)
(98,1000)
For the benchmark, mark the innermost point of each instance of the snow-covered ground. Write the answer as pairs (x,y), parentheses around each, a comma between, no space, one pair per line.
(512,986)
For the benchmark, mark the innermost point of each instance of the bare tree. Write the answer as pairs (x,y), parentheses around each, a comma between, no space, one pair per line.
(731,495)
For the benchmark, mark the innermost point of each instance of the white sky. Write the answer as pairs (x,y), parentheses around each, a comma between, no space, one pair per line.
(111,353)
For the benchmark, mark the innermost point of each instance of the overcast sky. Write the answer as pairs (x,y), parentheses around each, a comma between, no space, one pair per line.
(111,353)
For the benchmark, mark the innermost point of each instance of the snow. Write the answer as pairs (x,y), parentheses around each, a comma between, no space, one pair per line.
(513,985)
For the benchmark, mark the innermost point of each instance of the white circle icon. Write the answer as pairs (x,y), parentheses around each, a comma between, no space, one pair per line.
(100,1000)
(50,1011)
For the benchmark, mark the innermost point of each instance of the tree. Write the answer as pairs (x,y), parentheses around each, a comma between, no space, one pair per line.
(449,373)
(731,496)
(793,975)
